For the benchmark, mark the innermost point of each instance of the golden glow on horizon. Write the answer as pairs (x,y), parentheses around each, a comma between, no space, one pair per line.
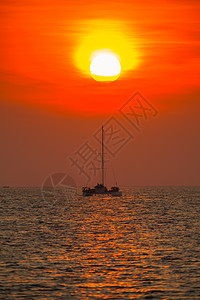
(101,35)
(105,66)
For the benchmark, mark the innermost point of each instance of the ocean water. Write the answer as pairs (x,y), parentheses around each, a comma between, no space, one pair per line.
(144,245)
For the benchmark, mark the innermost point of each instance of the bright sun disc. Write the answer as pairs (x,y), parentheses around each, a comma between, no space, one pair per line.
(103,46)
(105,66)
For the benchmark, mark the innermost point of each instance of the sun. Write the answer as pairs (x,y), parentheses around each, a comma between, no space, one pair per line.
(105,65)
(105,50)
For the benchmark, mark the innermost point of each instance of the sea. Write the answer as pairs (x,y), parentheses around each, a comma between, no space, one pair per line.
(143,245)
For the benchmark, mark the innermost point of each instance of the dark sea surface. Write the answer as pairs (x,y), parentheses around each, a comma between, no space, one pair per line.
(144,245)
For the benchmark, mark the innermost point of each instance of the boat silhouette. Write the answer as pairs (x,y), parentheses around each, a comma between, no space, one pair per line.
(100,188)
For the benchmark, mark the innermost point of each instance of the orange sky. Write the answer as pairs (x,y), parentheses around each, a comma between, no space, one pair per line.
(38,74)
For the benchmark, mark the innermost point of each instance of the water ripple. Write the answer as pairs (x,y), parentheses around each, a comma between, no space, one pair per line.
(144,245)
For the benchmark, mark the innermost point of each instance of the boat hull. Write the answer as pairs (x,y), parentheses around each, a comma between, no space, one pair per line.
(101,190)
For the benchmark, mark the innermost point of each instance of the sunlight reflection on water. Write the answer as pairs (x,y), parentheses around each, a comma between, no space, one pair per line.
(144,245)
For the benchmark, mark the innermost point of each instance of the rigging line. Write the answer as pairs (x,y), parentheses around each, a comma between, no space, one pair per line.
(102,157)
(105,176)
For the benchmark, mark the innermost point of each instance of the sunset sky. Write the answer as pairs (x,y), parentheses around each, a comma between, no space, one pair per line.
(51,105)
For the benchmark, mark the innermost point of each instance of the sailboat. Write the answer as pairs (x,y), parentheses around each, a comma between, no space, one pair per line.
(100,188)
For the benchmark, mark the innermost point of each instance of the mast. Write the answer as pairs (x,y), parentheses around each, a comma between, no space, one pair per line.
(102,168)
